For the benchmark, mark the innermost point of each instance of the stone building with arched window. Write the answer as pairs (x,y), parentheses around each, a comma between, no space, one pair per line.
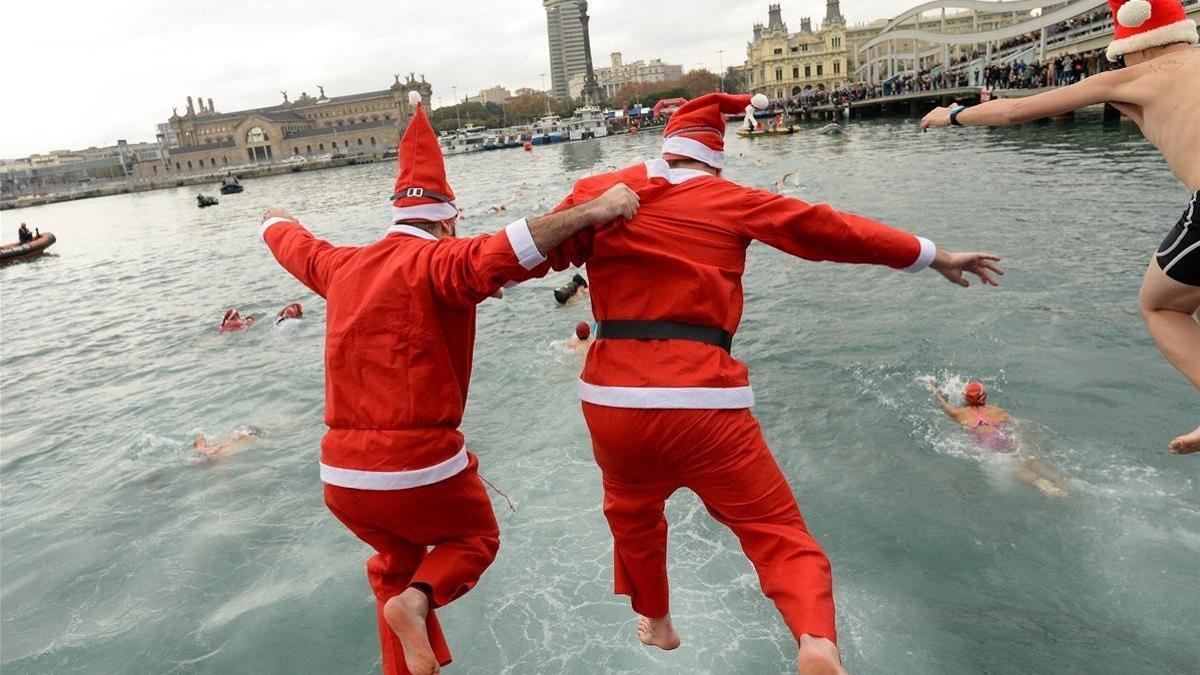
(206,140)
(782,64)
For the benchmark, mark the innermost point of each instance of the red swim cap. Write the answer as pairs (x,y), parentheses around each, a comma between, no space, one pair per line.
(582,330)
(293,310)
(975,393)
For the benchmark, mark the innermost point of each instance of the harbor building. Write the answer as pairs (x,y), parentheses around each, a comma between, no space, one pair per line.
(568,49)
(496,94)
(206,140)
(781,64)
(610,79)
(71,168)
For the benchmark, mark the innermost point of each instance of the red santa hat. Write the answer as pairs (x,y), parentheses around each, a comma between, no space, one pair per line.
(422,191)
(697,129)
(1142,24)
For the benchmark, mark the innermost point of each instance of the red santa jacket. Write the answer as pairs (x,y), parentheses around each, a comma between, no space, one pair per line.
(400,332)
(688,242)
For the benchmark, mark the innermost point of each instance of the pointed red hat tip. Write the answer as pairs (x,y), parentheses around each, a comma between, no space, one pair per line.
(421,191)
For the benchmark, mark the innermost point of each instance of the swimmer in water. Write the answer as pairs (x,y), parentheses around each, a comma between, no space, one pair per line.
(237,440)
(292,311)
(583,337)
(992,428)
(571,291)
(234,321)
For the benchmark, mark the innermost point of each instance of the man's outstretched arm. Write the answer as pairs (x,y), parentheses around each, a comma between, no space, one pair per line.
(467,271)
(1099,88)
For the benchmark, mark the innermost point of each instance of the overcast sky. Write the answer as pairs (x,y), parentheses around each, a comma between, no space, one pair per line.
(78,74)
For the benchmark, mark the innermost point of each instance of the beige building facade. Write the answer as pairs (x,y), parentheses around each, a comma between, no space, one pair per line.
(782,64)
(310,126)
(619,74)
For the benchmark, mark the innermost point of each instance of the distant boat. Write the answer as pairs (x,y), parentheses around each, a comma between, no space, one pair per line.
(203,201)
(782,131)
(467,139)
(32,248)
(230,185)
(548,130)
(587,122)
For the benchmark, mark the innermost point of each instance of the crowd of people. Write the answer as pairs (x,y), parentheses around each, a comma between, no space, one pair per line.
(1056,72)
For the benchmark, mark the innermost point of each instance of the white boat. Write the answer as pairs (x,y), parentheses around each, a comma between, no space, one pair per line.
(467,139)
(547,130)
(587,122)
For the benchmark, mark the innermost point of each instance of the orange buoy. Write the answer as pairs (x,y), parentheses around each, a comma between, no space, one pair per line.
(528,146)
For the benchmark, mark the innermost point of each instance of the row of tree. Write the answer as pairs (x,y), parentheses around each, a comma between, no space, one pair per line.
(530,104)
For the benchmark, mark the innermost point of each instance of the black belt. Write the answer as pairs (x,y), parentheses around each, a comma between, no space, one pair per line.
(664,330)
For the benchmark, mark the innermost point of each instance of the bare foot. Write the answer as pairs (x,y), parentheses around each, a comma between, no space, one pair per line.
(406,613)
(658,633)
(1049,489)
(819,656)
(1187,443)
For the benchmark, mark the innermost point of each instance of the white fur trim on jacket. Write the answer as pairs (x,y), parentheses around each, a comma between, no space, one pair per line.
(694,398)
(432,212)
(690,147)
(521,240)
(394,480)
(925,257)
(262,231)
(658,168)
(410,230)
(1180,31)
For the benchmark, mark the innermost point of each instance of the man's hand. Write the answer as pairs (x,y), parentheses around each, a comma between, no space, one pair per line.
(277,212)
(617,202)
(938,117)
(952,266)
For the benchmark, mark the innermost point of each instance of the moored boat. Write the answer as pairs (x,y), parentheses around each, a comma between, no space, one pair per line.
(587,122)
(34,247)
(548,130)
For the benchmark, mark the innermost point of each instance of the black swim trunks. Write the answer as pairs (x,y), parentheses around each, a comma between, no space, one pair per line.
(1179,253)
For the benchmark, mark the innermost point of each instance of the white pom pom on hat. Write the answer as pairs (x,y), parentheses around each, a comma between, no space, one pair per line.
(414,97)
(761,101)
(1133,13)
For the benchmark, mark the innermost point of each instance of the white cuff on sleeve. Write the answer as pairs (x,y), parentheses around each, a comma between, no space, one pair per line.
(928,251)
(262,231)
(522,244)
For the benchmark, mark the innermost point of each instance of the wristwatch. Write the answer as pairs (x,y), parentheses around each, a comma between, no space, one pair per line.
(954,115)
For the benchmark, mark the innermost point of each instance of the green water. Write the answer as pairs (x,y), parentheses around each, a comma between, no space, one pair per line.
(119,553)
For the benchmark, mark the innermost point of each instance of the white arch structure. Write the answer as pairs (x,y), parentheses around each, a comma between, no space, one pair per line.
(892,34)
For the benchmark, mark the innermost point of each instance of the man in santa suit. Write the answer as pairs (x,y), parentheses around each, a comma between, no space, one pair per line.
(399,339)
(666,403)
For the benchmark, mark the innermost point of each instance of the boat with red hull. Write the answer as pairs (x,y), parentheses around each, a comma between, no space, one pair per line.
(34,247)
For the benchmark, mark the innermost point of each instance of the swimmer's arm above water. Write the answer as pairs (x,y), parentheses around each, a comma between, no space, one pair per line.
(1099,88)
(950,409)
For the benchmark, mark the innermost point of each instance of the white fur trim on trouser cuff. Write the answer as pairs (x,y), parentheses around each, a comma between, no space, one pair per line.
(925,257)
(432,212)
(522,244)
(1180,31)
(394,480)
(690,147)
(262,231)
(696,398)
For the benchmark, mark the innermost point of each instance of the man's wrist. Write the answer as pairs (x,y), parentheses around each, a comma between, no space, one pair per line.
(954,112)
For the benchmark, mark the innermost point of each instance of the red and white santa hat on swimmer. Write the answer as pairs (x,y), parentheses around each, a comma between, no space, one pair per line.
(422,191)
(697,129)
(1142,24)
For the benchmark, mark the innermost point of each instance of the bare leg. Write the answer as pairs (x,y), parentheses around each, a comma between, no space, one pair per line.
(1169,310)
(1027,476)
(819,656)
(658,632)
(406,614)
(1055,479)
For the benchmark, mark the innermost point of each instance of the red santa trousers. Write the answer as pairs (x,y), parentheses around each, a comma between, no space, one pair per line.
(647,454)
(453,516)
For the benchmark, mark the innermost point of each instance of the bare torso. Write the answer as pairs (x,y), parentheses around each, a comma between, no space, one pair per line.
(1162,96)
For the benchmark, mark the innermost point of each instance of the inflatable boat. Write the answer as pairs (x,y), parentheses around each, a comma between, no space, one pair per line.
(30,249)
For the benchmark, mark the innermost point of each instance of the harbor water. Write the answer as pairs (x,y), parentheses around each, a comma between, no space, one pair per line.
(122,552)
